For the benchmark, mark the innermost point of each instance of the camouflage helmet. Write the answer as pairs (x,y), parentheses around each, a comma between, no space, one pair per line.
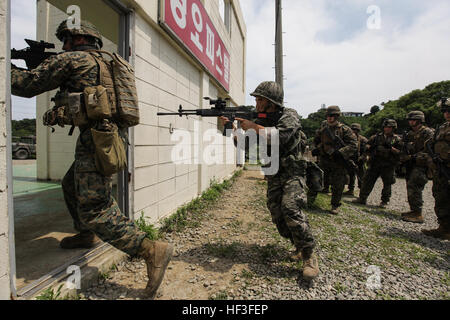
(271,91)
(416,115)
(444,104)
(333,111)
(86,29)
(390,123)
(355,126)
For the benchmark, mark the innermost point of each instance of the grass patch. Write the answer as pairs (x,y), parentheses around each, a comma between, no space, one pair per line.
(50,294)
(190,214)
(221,295)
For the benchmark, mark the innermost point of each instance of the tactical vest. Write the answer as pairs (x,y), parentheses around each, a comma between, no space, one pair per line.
(415,144)
(327,144)
(442,143)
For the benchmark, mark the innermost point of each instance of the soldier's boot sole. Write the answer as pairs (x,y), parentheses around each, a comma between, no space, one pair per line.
(157,262)
(334,211)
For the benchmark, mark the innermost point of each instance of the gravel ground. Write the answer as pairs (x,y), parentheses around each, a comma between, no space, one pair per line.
(235,252)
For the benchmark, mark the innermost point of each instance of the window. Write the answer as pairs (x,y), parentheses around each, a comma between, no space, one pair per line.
(225,13)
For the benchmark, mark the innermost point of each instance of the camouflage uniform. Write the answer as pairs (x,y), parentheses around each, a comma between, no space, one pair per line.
(87,192)
(440,145)
(286,189)
(332,167)
(417,177)
(382,163)
(362,142)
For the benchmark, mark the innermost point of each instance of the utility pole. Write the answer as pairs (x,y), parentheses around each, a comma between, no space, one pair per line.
(278,44)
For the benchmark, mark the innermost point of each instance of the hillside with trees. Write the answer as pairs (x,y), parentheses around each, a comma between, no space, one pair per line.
(423,100)
(23,128)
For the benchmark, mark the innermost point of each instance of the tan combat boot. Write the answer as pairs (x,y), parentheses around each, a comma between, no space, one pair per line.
(413,216)
(85,240)
(383,205)
(334,211)
(310,267)
(157,256)
(440,233)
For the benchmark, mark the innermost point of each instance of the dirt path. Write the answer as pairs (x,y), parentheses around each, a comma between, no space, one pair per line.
(235,252)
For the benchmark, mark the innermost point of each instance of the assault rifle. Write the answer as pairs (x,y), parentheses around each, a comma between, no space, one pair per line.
(408,163)
(440,165)
(220,109)
(338,143)
(35,54)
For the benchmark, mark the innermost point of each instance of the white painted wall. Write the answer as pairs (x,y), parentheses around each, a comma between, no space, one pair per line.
(6,237)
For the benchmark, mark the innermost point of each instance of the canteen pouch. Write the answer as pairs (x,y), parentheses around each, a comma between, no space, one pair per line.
(96,102)
(110,155)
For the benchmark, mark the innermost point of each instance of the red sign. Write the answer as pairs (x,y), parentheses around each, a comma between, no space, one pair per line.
(190,23)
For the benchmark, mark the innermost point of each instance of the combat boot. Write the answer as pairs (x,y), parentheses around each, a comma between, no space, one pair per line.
(383,205)
(350,193)
(157,256)
(84,240)
(310,265)
(413,216)
(360,201)
(334,210)
(439,233)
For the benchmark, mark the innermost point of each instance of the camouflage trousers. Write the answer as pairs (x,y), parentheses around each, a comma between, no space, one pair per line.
(441,191)
(352,177)
(337,177)
(387,174)
(285,199)
(88,196)
(415,183)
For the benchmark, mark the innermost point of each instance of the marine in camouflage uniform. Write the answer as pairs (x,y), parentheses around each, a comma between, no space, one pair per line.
(286,195)
(359,158)
(383,150)
(332,157)
(440,151)
(416,155)
(88,193)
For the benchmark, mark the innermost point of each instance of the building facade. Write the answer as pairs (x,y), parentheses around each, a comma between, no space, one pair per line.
(169,72)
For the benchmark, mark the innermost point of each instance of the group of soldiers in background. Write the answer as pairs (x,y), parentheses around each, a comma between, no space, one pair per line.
(345,155)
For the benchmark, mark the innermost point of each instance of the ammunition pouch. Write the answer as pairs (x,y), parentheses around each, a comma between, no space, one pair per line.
(422,159)
(97,103)
(110,155)
(293,165)
(68,110)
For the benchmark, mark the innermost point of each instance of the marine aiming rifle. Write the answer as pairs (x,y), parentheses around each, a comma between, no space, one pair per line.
(35,54)
(338,143)
(220,109)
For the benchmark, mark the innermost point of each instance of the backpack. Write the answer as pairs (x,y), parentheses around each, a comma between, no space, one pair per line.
(117,76)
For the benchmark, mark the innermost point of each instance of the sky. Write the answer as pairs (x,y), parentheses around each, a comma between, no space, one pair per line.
(351,53)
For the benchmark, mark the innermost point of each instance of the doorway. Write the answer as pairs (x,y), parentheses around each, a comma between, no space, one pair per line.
(41,219)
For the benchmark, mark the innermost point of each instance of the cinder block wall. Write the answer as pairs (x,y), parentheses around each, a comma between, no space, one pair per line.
(5,274)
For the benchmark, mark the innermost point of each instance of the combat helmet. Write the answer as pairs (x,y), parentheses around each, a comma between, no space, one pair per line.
(444,104)
(86,29)
(333,111)
(271,91)
(355,126)
(416,115)
(390,123)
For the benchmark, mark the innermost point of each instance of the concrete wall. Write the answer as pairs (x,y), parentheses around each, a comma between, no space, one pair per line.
(6,237)
(166,78)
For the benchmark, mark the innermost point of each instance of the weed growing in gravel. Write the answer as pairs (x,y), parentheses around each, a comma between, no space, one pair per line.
(149,229)
(49,294)
(221,295)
